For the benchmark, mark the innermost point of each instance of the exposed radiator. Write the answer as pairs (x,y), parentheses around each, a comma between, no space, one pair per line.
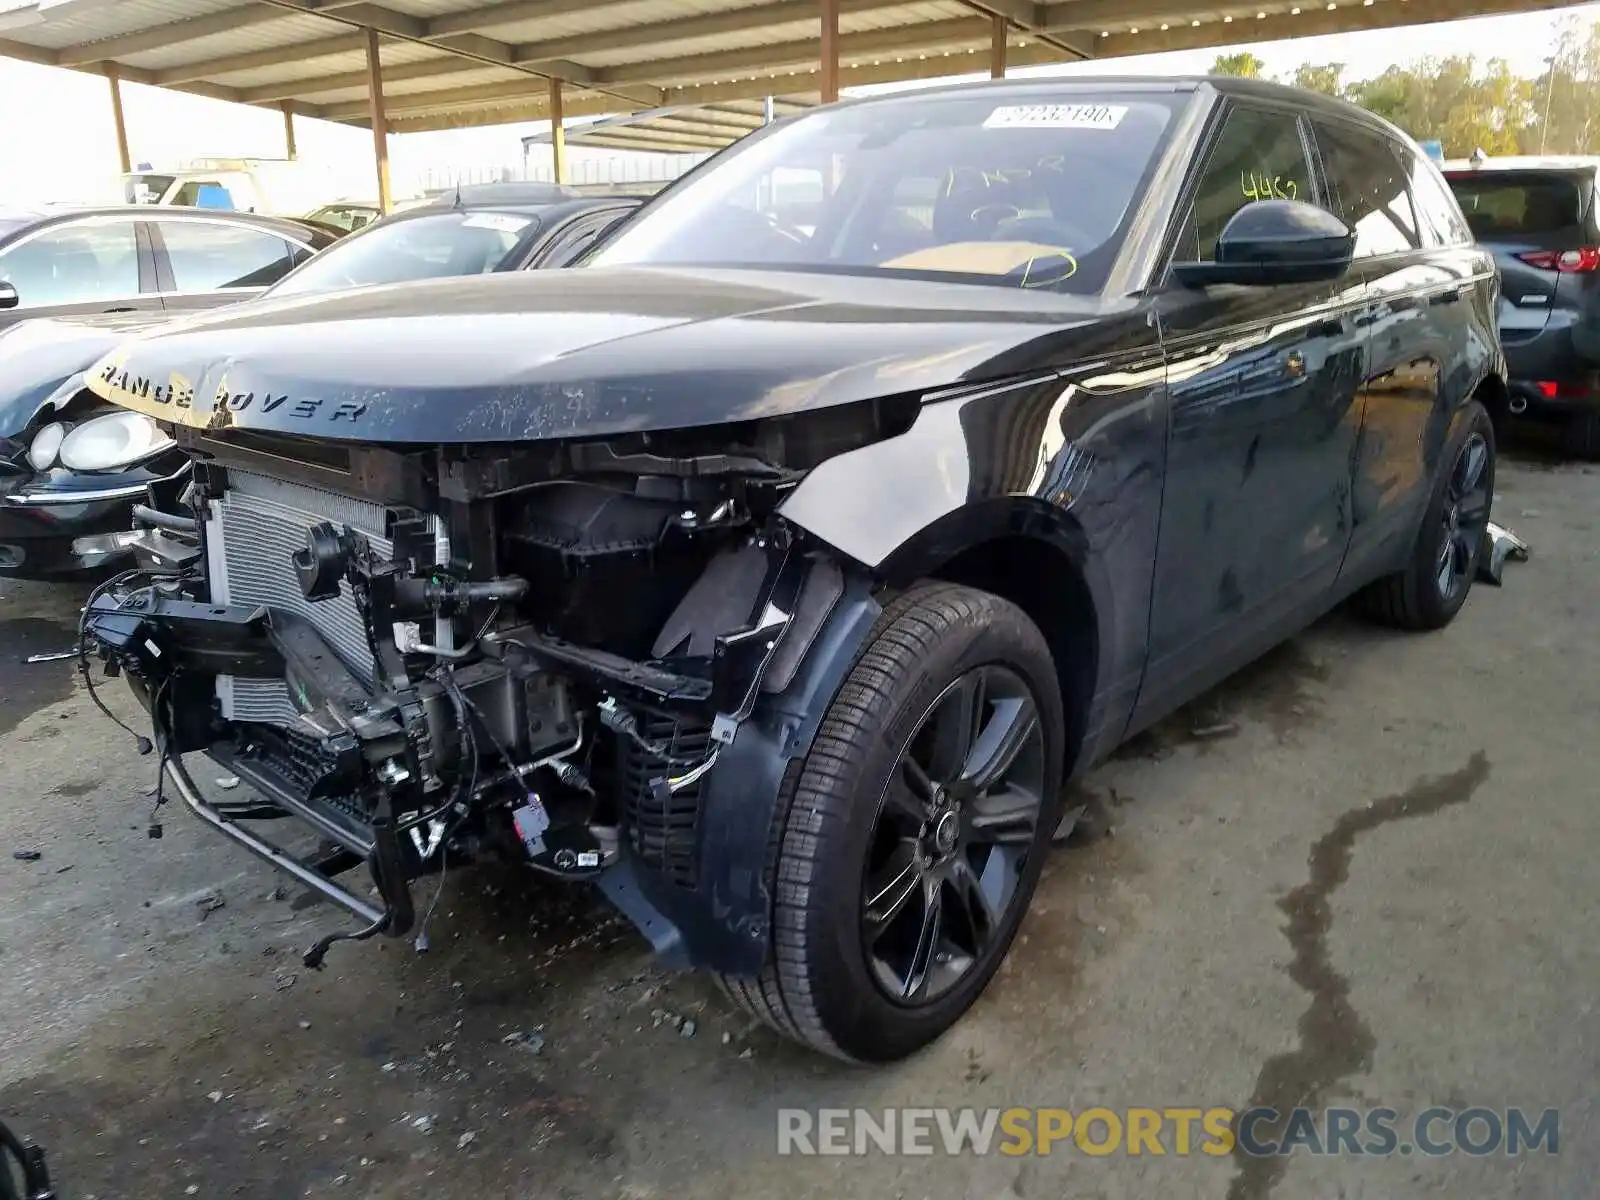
(251,537)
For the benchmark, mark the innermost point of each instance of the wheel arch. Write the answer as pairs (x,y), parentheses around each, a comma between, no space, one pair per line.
(1038,557)
(1494,394)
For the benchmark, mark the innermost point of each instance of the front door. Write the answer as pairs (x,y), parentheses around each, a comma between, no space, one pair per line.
(1263,386)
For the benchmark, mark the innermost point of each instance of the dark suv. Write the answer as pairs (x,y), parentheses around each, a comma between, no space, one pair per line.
(1537,216)
(775,576)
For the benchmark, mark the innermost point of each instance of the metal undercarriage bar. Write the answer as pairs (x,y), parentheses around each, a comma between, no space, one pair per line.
(274,855)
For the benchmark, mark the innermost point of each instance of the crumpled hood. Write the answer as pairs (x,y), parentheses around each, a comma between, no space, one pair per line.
(582,353)
(38,356)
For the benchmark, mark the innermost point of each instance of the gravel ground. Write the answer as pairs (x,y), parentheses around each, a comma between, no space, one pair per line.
(1370,885)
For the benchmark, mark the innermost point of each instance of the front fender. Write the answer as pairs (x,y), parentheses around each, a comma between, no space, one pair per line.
(1073,460)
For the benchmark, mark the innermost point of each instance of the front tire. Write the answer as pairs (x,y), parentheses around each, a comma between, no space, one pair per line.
(1431,589)
(911,837)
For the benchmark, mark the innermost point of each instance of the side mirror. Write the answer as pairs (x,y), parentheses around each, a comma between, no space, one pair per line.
(8,296)
(1275,241)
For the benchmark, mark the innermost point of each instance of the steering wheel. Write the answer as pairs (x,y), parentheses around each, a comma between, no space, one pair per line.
(793,232)
(987,219)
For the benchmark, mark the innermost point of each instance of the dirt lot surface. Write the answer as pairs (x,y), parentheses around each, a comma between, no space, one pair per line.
(1372,884)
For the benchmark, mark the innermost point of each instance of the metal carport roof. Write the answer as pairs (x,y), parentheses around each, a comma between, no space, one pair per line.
(452,63)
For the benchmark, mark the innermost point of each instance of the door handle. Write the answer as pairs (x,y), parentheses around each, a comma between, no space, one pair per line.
(124,308)
(1451,296)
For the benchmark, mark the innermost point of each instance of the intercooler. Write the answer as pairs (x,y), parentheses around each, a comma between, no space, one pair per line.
(252,535)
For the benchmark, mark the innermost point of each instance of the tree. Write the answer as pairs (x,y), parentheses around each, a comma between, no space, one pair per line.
(1454,100)
(1328,78)
(1244,65)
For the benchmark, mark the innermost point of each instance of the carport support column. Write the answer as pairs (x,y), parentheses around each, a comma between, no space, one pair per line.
(558,133)
(380,125)
(829,12)
(997,48)
(116,116)
(288,130)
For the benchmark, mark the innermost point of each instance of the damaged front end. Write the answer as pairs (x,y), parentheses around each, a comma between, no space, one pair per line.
(595,657)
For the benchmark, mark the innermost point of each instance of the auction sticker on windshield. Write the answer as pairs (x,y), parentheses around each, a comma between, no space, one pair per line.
(1056,116)
(499,222)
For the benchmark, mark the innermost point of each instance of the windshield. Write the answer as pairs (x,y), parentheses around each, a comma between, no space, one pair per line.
(345,216)
(145,189)
(1520,205)
(415,247)
(1004,187)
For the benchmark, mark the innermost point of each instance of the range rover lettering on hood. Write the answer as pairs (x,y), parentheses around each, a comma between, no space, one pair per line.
(174,400)
(528,356)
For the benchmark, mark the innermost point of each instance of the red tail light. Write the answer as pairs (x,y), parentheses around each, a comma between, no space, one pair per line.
(1548,388)
(1568,262)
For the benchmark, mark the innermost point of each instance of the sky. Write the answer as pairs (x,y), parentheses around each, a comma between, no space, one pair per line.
(71,155)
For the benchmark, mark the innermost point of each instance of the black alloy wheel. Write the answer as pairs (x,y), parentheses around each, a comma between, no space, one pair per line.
(1465,518)
(955,824)
(911,836)
(1438,574)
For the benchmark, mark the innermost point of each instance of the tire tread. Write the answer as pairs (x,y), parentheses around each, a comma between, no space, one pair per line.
(817,793)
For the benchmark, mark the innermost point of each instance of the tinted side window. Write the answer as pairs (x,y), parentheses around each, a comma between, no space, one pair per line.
(206,256)
(573,241)
(1442,222)
(74,264)
(1369,189)
(1259,155)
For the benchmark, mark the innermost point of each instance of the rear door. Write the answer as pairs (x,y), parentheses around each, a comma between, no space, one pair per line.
(1422,286)
(1539,224)
(205,262)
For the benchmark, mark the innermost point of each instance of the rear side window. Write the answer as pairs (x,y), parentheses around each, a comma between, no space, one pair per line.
(208,255)
(1369,188)
(1523,205)
(1259,155)
(1442,222)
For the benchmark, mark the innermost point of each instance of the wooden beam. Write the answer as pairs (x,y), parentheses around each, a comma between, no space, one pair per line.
(809,83)
(558,134)
(344,43)
(380,125)
(654,34)
(117,119)
(31,54)
(997,47)
(828,50)
(512,14)
(640,141)
(1029,17)
(690,124)
(1348,17)
(349,80)
(404,27)
(906,39)
(536,108)
(444,98)
(173,33)
(288,129)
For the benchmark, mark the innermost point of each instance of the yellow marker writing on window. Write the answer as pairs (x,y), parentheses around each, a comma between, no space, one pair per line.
(1042,270)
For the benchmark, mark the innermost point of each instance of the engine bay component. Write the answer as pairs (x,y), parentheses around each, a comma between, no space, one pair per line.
(554,678)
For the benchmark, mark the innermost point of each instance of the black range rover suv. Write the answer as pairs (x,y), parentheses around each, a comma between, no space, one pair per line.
(773,575)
